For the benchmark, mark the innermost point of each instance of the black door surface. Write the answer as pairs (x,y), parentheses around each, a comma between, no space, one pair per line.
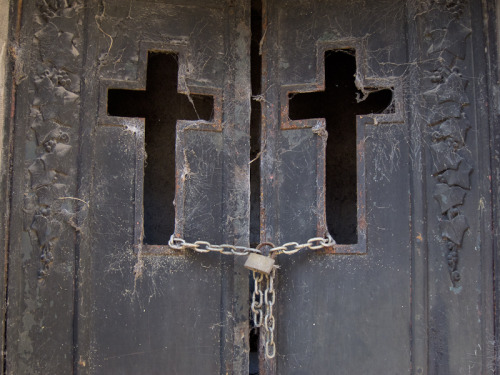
(371,131)
(243,123)
(109,84)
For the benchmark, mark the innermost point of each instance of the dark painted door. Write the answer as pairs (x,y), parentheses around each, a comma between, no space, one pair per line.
(247,122)
(133,105)
(406,289)
(184,169)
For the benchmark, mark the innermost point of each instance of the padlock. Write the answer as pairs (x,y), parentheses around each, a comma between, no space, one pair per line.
(259,263)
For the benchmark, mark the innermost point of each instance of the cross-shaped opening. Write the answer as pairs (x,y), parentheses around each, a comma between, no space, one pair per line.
(339,104)
(161,105)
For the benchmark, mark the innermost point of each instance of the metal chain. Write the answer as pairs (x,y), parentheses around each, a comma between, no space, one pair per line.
(257,306)
(269,321)
(289,248)
(206,247)
(268,298)
(259,297)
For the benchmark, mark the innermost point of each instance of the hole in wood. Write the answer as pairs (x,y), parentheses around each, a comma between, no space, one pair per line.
(255,150)
(254,351)
(255,122)
(339,104)
(161,105)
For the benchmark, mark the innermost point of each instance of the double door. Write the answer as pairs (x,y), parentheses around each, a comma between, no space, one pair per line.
(238,122)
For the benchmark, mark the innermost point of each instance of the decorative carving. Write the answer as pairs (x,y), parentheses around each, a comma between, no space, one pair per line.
(54,111)
(445,98)
(449,197)
(458,177)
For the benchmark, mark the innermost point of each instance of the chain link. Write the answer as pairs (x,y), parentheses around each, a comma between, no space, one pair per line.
(206,247)
(265,298)
(256,306)
(260,298)
(289,248)
(269,321)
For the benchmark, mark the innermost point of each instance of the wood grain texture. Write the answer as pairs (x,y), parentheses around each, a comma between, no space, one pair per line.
(155,314)
(417,294)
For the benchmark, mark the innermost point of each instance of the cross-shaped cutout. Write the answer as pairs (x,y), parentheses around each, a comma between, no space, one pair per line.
(161,105)
(339,104)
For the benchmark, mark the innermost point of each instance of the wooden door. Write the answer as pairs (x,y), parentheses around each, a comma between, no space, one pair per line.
(372,121)
(128,107)
(246,123)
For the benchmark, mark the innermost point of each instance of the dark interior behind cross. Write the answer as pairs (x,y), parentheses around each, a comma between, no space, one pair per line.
(339,104)
(162,106)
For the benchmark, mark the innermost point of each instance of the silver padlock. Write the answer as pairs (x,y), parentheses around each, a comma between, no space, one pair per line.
(259,263)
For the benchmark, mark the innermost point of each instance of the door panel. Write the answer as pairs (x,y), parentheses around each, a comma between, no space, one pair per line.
(408,288)
(107,302)
(154,311)
(362,307)
(147,311)
(336,309)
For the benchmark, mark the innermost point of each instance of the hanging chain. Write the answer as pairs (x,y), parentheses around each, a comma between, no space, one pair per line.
(289,248)
(269,321)
(260,298)
(267,298)
(256,306)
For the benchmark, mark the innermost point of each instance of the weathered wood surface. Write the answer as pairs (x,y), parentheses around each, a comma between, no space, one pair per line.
(414,295)
(187,314)
(82,297)
(5,137)
(423,289)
